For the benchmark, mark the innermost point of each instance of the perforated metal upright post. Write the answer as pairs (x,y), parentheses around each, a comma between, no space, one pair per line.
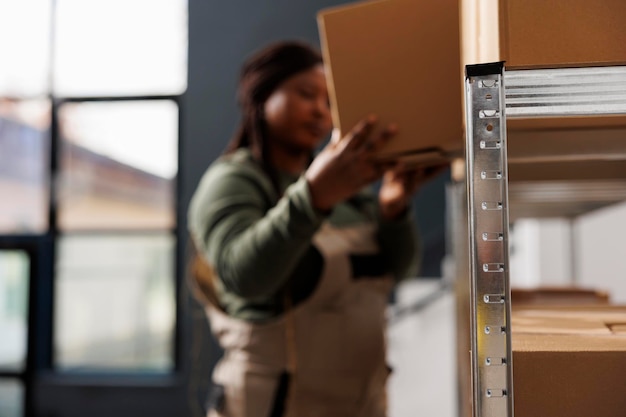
(487,191)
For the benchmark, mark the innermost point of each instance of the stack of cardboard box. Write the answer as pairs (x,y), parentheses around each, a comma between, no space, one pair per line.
(569,360)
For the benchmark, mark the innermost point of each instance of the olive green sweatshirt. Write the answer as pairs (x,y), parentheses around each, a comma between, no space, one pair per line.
(259,243)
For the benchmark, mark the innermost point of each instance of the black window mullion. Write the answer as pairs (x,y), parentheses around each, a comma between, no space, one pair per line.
(180,256)
(45,289)
(40,320)
(42,296)
(175,98)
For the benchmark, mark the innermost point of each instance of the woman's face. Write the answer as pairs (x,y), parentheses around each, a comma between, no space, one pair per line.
(297,113)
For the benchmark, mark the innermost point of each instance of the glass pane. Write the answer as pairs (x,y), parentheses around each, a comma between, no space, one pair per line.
(118,164)
(14,274)
(120,47)
(24,47)
(11,398)
(24,164)
(115,303)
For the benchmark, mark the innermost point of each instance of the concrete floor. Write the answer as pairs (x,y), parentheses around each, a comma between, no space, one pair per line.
(422,354)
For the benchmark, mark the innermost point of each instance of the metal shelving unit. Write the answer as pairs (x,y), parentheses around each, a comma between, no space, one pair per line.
(494,95)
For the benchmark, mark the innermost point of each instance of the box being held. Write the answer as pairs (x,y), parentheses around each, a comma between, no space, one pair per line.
(400,60)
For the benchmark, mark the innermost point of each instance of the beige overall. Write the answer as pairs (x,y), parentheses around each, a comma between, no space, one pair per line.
(332,344)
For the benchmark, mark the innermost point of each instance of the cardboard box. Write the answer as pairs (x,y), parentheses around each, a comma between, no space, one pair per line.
(545,34)
(569,361)
(400,60)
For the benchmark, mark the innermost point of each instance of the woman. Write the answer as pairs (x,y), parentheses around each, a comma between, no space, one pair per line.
(301,259)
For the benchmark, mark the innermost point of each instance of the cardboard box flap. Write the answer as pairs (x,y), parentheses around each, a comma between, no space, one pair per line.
(558,325)
(569,329)
(599,313)
(533,342)
(400,60)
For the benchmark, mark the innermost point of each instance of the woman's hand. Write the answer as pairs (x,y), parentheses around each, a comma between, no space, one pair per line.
(399,184)
(346,165)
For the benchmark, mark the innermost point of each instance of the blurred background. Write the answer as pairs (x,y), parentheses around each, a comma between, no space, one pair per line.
(110,111)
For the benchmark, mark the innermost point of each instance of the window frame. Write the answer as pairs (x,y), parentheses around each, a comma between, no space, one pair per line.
(135,392)
(48,391)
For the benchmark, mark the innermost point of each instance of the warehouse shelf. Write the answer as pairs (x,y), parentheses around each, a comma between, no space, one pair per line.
(573,162)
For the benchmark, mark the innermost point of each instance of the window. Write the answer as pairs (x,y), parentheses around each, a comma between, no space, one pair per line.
(118,164)
(89,133)
(120,47)
(114,304)
(24,169)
